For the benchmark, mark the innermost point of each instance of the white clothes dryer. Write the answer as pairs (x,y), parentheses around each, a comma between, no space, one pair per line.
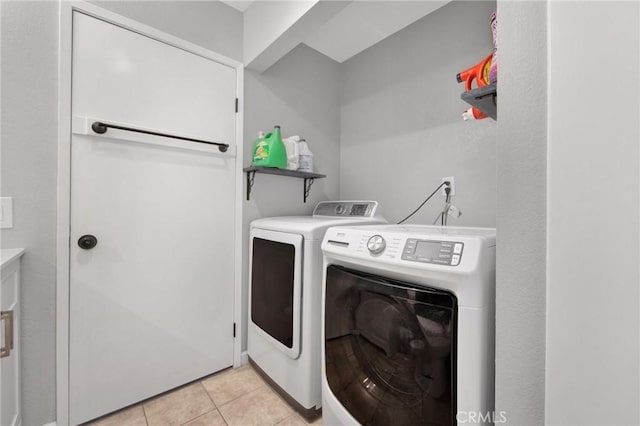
(285,283)
(408,325)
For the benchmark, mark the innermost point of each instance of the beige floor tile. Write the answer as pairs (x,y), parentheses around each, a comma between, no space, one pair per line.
(179,406)
(133,416)
(212,418)
(293,420)
(316,422)
(259,407)
(231,384)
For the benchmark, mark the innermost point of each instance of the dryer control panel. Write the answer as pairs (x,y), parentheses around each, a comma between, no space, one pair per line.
(346,208)
(431,251)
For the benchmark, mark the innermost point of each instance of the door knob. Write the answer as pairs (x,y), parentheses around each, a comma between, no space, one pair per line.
(87,242)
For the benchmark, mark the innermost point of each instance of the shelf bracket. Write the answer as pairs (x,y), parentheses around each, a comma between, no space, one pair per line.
(308,177)
(250,178)
(483,98)
(307,187)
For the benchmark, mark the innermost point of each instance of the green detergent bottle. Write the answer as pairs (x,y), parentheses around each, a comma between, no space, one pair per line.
(269,151)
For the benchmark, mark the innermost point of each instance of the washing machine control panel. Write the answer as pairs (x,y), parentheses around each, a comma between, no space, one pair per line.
(376,244)
(430,251)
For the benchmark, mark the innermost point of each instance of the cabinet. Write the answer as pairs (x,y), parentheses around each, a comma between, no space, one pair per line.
(10,413)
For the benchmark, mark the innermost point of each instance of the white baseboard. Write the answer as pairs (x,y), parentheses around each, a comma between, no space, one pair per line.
(50,424)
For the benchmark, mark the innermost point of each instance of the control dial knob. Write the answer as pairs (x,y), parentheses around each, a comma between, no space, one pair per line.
(376,244)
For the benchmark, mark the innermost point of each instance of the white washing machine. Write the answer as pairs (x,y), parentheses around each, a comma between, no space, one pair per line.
(408,325)
(285,297)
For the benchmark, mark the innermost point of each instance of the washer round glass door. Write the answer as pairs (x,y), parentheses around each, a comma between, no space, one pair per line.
(390,349)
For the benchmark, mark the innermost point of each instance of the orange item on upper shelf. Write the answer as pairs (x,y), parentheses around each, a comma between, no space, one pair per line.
(478,72)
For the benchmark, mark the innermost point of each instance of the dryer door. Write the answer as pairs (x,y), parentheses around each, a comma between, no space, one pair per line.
(390,349)
(276,288)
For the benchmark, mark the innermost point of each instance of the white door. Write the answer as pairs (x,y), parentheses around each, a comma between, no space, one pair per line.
(151,305)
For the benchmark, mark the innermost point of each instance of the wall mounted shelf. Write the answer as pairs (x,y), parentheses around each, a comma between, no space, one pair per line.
(307,176)
(484,98)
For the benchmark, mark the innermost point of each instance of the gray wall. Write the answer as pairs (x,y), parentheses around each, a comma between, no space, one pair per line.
(401,125)
(301,93)
(29,149)
(210,24)
(521,218)
(593,373)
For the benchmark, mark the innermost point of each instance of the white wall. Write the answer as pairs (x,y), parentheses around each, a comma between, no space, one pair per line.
(521,214)
(29,37)
(401,125)
(568,209)
(301,93)
(593,356)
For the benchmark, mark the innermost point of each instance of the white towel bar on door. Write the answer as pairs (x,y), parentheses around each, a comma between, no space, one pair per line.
(100,128)
(95,127)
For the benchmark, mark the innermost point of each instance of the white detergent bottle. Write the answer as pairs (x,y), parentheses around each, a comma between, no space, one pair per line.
(293,154)
(306,157)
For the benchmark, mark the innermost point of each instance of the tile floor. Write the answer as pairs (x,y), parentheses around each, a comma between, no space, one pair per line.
(231,397)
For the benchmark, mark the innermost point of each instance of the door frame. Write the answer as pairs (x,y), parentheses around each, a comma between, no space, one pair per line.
(64,180)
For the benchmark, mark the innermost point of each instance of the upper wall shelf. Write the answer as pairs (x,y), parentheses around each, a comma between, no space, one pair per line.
(484,98)
(307,176)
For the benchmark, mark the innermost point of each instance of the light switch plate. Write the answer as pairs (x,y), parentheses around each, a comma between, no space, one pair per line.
(6,212)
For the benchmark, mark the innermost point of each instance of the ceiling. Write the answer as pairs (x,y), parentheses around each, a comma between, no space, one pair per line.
(240,5)
(362,24)
(359,25)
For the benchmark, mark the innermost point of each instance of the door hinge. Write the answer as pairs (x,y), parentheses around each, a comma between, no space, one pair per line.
(234,329)
(236,104)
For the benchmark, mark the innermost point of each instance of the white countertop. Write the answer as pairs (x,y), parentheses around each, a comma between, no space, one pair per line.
(8,255)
